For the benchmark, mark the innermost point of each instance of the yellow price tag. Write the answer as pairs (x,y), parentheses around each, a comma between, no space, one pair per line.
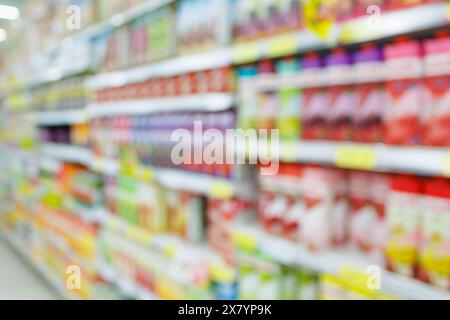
(446,166)
(283,45)
(146,174)
(356,157)
(288,151)
(113,224)
(170,250)
(359,30)
(447,11)
(133,233)
(221,190)
(244,53)
(245,240)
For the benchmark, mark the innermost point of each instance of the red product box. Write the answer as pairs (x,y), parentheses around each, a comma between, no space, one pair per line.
(342,108)
(436,122)
(315,104)
(220,80)
(363,214)
(201,83)
(404,92)
(368,120)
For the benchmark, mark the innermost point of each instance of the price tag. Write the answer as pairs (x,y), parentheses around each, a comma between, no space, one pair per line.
(221,190)
(282,46)
(360,30)
(245,240)
(289,151)
(170,250)
(113,224)
(133,233)
(356,157)
(446,166)
(146,174)
(447,12)
(245,53)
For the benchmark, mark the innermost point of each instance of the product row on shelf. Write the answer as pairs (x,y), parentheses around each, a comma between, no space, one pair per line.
(397,223)
(162,29)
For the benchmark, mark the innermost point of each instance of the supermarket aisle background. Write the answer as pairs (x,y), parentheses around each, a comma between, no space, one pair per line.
(17,281)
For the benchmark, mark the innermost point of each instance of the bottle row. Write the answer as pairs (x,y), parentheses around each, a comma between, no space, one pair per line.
(396,93)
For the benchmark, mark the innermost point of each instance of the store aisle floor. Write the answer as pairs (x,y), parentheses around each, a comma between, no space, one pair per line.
(17,280)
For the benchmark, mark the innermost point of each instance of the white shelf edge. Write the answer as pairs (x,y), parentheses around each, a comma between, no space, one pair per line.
(68,153)
(420,160)
(173,66)
(49,118)
(201,102)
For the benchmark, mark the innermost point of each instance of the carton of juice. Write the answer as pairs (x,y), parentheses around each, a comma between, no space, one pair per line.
(314,99)
(405,92)
(436,122)
(288,121)
(435,249)
(370,96)
(342,97)
(404,218)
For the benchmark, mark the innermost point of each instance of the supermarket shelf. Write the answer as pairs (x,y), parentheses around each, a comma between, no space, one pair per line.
(16,243)
(180,65)
(201,102)
(215,187)
(355,31)
(334,261)
(127,287)
(372,157)
(120,19)
(67,153)
(61,117)
(86,35)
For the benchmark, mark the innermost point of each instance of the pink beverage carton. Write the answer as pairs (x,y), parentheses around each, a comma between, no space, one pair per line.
(379,191)
(434,264)
(436,122)
(363,215)
(342,97)
(315,230)
(405,92)
(314,98)
(370,95)
(404,216)
(340,208)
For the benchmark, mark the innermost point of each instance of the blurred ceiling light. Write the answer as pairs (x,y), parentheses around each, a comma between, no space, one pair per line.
(2,35)
(9,12)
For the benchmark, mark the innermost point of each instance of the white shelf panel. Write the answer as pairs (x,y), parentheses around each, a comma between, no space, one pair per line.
(62,117)
(419,160)
(202,102)
(67,153)
(167,68)
(355,31)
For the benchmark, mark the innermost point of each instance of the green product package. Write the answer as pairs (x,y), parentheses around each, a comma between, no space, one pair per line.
(289,117)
